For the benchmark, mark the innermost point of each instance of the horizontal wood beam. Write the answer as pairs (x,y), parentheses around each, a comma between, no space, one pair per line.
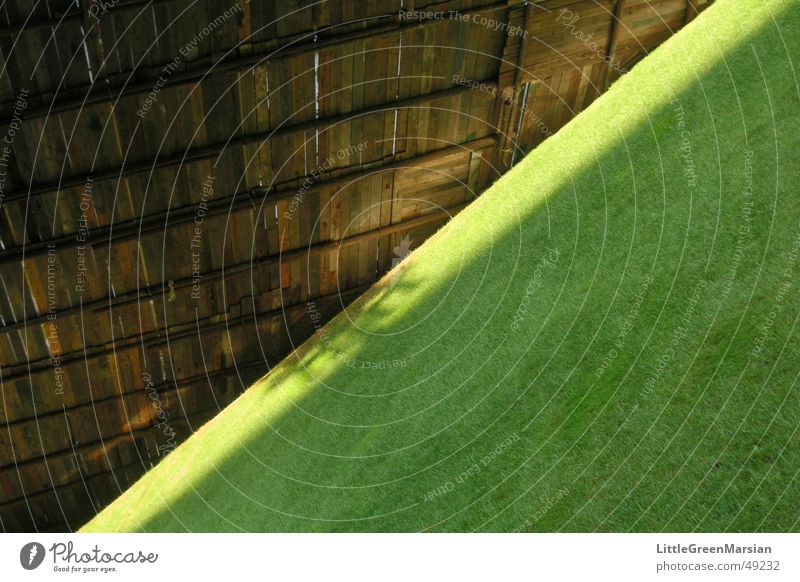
(221,205)
(26,368)
(214,150)
(314,40)
(171,384)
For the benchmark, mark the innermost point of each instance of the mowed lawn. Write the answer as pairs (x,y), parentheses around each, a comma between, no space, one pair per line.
(605,340)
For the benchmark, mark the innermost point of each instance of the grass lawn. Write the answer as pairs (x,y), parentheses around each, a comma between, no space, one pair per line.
(605,340)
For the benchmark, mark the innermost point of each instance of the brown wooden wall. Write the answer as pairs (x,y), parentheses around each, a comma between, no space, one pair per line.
(183,180)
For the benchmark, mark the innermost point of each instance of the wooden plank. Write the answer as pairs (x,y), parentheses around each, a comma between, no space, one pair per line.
(613,37)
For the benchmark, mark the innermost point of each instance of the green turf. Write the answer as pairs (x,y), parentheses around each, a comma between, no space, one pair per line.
(644,383)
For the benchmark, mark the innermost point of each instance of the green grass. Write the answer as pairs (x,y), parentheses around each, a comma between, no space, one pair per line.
(632,393)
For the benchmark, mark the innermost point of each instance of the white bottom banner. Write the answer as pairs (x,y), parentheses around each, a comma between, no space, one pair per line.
(354,557)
